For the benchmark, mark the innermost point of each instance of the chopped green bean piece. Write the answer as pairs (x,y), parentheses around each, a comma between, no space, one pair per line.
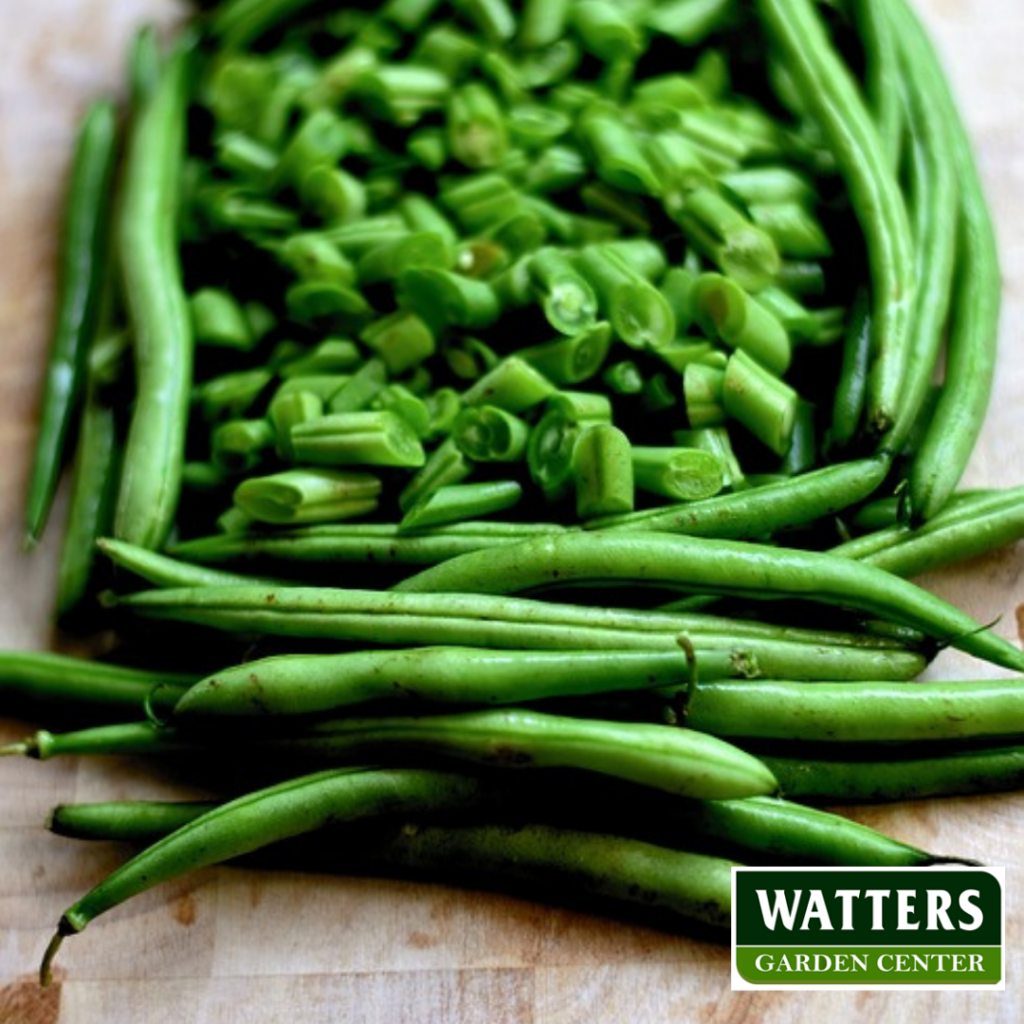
(307,496)
(602,471)
(486,433)
(462,502)
(765,405)
(370,438)
(683,474)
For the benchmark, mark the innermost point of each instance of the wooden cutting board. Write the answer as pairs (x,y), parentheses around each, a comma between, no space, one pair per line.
(232,945)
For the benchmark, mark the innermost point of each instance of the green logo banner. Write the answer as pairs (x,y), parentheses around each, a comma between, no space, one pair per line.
(868,927)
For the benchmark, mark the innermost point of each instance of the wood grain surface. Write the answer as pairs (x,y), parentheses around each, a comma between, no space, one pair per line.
(231,945)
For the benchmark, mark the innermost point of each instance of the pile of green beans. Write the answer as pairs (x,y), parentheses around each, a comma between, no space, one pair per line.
(424,327)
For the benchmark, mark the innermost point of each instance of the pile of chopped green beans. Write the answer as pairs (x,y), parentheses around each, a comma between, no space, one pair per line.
(417,329)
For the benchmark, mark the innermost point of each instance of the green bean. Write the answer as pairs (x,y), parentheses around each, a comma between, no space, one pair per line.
(158,312)
(723,308)
(616,153)
(602,471)
(830,94)
(82,283)
(797,234)
(959,532)
(761,511)
(126,821)
(935,191)
(46,680)
(324,684)
(605,30)
(867,712)
(883,74)
(417,250)
(722,233)
(973,331)
(683,474)
(851,388)
(308,496)
(161,571)
(93,488)
(567,298)
(370,543)
(403,93)
(239,446)
(992,770)
(512,385)
(690,22)
(257,819)
(368,438)
(724,567)
(460,502)
(574,359)
(476,620)
(789,832)
(765,405)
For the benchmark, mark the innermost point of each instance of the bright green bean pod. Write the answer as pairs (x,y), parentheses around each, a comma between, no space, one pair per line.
(830,94)
(325,684)
(162,571)
(678,761)
(158,312)
(959,532)
(52,681)
(83,275)
(992,770)
(723,647)
(369,543)
(93,490)
(760,511)
(867,712)
(723,567)
(258,819)
(126,821)
(883,75)
(974,329)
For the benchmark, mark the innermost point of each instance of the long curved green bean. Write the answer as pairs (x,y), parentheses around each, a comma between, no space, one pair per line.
(868,712)
(827,90)
(883,75)
(934,196)
(761,511)
(780,829)
(83,276)
(321,684)
(158,311)
(258,819)
(43,680)
(162,571)
(992,770)
(974,328)
(713,566)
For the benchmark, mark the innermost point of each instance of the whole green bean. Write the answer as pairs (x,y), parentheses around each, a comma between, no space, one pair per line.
(715,566)
(992,770)
(974,328)
(964,529)
(760,511)
(311,684)
(258,819)
(883,75)
(93,490)
(359,542)
(158,311)
(868,712)
(934,196)
(723,647)
(162,571)
(829,92)
(44,680)
(83,275)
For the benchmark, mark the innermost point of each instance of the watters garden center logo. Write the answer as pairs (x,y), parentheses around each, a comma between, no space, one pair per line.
(867,928)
